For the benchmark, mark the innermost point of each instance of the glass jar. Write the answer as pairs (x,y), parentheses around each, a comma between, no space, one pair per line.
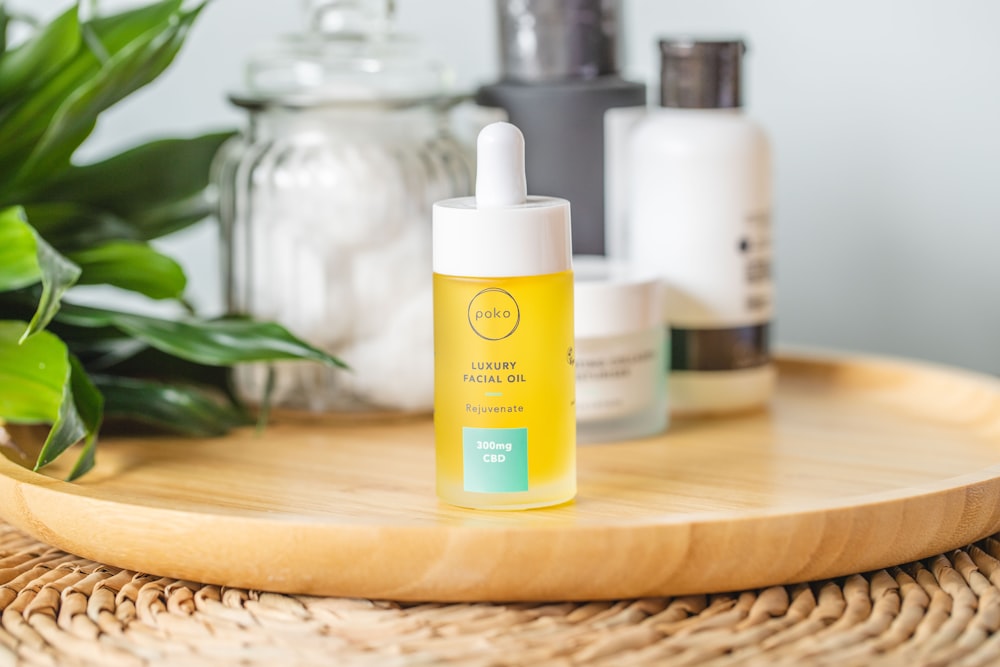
(621,366)
(325,204)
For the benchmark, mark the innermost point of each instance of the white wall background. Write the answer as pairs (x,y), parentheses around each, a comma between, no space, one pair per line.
(885,121)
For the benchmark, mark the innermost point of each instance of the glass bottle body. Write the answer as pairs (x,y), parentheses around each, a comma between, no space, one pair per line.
(504,414)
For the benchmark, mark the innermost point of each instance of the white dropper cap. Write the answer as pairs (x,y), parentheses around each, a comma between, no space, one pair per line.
(501,232)
(500,167)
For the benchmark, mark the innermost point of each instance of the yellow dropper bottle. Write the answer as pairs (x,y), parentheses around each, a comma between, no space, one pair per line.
(504,419)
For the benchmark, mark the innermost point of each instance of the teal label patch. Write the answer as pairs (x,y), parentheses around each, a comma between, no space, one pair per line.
(495,460)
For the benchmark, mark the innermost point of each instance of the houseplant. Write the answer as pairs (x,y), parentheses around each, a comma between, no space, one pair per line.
(64,224)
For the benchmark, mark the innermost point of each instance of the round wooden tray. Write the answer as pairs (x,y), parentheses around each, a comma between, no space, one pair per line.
(859,464)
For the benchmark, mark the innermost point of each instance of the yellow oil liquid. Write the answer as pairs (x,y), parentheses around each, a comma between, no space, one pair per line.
(504,414)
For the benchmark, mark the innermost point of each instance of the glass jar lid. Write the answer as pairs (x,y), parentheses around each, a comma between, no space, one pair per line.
(350,54)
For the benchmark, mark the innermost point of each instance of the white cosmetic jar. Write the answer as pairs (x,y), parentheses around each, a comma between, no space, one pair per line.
(621,367)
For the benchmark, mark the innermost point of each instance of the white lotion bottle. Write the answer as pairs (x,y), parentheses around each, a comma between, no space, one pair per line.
(696,201)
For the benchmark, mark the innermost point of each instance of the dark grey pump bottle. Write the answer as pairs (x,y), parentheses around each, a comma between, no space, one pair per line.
(560,76)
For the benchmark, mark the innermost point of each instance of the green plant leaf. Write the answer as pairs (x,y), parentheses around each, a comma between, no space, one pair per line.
(220,342)
(4,24)
(142,361)
(117,30)
(40,382)
(107,351)
(78,419)
(90,407)
(56,273)
(177,408)
(38,58)
(158,187)
(72,226)
(131,266)
(99,348)
(124,72)
(23,125)
(18,252)
(32,375)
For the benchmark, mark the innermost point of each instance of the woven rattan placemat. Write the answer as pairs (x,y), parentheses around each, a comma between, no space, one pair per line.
(62,610)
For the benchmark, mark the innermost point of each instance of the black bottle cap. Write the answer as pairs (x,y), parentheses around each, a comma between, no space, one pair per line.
(700,74)
(549,40)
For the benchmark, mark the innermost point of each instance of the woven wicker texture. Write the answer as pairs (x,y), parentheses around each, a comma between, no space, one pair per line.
(62,610)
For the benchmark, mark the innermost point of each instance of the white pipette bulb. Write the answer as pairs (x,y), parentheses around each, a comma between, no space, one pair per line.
(500,178)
